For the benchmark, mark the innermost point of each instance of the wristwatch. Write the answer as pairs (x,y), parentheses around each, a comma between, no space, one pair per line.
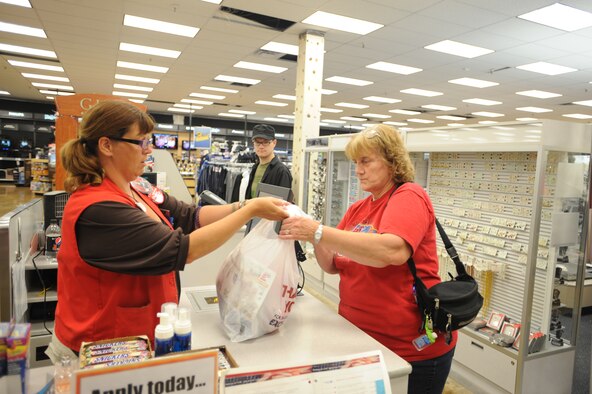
(318,234)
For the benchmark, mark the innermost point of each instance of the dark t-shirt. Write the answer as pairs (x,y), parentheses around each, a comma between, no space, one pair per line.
(120,238)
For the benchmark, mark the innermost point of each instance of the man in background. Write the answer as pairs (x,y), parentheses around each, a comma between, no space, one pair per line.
(268,168)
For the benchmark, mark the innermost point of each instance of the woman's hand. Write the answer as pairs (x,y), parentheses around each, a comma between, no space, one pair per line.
(299,228)
(267,208)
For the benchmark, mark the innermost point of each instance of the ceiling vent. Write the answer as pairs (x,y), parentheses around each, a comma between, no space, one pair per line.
(244,85)
(269,22)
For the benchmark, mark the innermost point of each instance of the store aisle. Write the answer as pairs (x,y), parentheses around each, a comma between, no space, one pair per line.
(12,196)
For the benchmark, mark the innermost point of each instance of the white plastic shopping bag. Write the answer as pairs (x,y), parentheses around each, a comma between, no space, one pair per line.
(257,283)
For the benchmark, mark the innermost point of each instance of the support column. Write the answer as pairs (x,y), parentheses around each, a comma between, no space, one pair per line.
(307,111)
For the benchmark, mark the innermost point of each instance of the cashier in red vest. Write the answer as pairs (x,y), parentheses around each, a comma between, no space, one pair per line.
(123,241)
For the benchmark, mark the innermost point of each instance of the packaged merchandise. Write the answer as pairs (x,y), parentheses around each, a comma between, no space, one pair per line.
(182,326)
(17,350)
(118,351)
(164,335)
(4,332)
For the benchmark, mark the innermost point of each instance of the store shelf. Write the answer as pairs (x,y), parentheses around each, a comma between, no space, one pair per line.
(42,262)
(37,328)
(36,296)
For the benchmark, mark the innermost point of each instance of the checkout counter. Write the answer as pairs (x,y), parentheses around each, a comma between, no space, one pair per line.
(312,332)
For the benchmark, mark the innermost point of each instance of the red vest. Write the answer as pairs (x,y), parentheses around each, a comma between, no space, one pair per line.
(95,304)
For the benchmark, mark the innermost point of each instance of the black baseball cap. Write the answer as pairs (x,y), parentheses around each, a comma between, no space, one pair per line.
(264,131)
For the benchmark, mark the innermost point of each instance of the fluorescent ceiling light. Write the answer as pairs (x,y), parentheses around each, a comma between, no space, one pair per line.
(487,114)
(20,29)
(546,68)
(38,66)
(218,89)
(382,99)
(334,121)
(200,102)
(271,103)
(379,116)
(351,105)
(349,81)
(230,78)
(394,68)
(126,46)
(4,92)
(21,3)
(143,67)
(51,86)
(343,23)
(160,26)
(228,115)
(354,118)
(538,94)
(458,49)
(404,112)
(129,94)
(479,101)
(475,83)
(451,117)
(50,98)
(213,1)
(237,132)
(578,116)
(455,124)
(55,93)
(281,48)
(438,107)
(560,17)
(285,97)
(136,79)
(45,77)
(183,110)
(329,92)
(421,92)
(190,106)
(534,109)
(395,123)
(27,51)
(136,100)
(208,96)
(526,119)
(420,121)
(487,122)
(587,103)
(286,116)
(240,111)
(332,110)
(132,87)
(276,120)
(260,67)
(280,134)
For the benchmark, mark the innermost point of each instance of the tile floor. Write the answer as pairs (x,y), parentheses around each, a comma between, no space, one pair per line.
(12,196)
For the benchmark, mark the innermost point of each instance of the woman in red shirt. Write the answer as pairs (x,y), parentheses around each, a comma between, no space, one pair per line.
(369,250)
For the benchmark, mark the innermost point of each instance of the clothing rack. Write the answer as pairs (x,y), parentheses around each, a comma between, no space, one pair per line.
(226,179)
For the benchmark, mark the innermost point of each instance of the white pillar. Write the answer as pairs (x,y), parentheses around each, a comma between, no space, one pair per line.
(307,111)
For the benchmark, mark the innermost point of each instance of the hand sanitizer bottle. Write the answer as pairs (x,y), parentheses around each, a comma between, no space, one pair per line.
(182,331)
(163,335)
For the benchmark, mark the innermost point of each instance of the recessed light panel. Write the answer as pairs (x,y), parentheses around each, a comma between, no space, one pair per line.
(27,51)
(4,92)
(458,49)
(421,92)
(438,107)
(199,102)
(230,115)
(587,103)
(21,3)
(20,29)
(182,110)
(394,68)
(214,89)
(51,86)
(534,109)
(353,118)
(45,77)
(208,96)
(143,67)
(334,121)
(560,17)
(160,26)
(343,23)
(331,110)
(404,112)
(578,116)
(240,111)
(351,105)
(125,77)
(230,78)
(546,68)
(420,121)
(475,83)
(487,122)
(395,123)
(378,116)
(285,97)
(129,94)
(382,99)
(479,101)
(328,92)
(278,47)
(190,106)
(126,46)
(132,87)
(538,94)
(349,81)
(451,117)
(37,66)
(271,103)
(487,114)
(260,67)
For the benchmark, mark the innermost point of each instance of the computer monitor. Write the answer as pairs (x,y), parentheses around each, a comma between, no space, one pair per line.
(267,190)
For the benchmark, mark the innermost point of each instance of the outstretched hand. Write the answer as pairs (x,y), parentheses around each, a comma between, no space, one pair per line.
(298,228)
(269,208)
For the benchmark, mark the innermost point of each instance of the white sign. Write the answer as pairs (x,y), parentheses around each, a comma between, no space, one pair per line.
(187,372)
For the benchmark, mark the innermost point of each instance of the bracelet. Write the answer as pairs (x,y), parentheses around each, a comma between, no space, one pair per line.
(235,207)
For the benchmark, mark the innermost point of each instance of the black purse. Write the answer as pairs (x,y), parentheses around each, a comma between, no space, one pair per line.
(449,305)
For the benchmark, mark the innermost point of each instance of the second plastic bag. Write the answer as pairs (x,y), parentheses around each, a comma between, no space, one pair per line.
(257,283)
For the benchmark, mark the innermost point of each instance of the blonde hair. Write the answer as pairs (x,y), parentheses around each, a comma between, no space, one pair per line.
(106,119)
(387,142)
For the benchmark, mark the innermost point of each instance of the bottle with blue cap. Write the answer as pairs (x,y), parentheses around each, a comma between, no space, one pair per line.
(163,335)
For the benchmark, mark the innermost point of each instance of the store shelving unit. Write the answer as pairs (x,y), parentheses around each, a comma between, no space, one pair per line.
(40,176)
